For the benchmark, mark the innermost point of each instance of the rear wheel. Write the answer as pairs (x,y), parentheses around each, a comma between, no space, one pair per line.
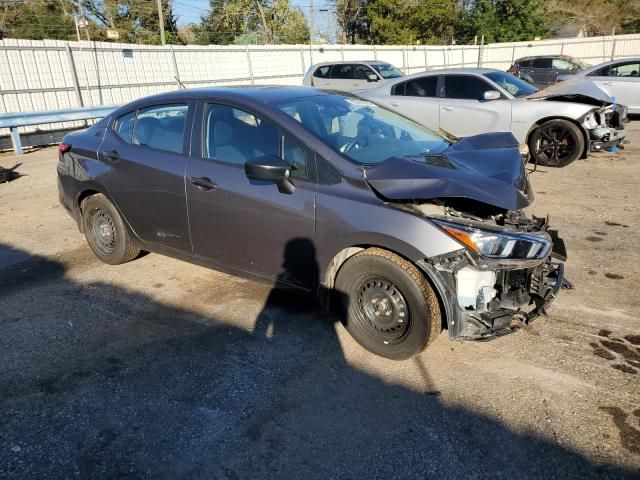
(556,143)
(388,305)
(106,232)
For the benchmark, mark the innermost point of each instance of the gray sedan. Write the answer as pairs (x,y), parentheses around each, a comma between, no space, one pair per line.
(619,78)
(559,124)
(324,193)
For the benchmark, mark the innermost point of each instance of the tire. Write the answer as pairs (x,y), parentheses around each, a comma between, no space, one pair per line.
(388,306)
(105,231)
(556,143)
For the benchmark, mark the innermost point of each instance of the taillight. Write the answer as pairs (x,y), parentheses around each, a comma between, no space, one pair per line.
(64,148)
(513,70)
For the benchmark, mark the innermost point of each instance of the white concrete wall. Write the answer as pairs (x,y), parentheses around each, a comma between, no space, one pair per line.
(37,75)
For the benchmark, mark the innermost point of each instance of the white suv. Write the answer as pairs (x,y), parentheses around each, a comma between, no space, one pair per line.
(350,76)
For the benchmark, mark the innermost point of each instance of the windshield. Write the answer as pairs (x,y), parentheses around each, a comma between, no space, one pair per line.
(512,84)
(363,131)
(387,71)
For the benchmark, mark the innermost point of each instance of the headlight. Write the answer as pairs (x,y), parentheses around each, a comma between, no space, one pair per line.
(498,243)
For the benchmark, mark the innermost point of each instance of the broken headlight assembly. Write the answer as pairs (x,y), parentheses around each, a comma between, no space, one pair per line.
(496,246)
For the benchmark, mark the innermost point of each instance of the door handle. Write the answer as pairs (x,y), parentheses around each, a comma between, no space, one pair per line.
(203,183)
(394,104)
(447,109)
(112,155)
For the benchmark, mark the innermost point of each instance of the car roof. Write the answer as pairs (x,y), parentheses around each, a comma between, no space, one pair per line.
(531,57)
(445,71)
(612,62)
(349,62)
(265,94)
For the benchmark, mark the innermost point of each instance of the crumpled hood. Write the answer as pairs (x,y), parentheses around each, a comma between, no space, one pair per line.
(577,89)
(487,168)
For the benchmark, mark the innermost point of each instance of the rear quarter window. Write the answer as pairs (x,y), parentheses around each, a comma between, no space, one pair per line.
(123,126)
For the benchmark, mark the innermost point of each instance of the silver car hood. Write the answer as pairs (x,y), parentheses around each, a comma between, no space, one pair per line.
(573,90)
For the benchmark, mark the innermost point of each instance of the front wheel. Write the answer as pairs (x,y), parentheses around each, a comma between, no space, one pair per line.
(556,143)
(388,305)
(106,232)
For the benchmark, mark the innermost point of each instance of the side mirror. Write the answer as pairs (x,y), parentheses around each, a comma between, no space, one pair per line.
(492,95)
(270,168)
(372,77)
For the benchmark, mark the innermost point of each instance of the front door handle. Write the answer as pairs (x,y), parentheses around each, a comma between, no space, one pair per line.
(394,104)
(447,109)
(112,155)
(203,183)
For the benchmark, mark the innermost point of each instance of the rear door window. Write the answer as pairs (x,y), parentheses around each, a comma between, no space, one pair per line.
(422,87)
(342,71)
(161,127)
(541,63)
(465,87)
(525,63)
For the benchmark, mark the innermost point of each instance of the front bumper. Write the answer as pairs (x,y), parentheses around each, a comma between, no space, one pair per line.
(605,138)
(503,300)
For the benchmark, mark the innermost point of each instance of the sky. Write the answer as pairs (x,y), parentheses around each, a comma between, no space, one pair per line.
(190,11)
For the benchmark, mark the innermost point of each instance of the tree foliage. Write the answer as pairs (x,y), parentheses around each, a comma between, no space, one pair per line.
(506,20)
(252,21)
(598,17)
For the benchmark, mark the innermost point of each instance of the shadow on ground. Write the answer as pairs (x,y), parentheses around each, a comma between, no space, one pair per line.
(101,382)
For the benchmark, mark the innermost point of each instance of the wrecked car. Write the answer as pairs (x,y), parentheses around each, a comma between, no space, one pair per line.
(559,124)
(397,229)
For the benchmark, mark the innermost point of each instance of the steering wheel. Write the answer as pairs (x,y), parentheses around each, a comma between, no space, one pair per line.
(357,142)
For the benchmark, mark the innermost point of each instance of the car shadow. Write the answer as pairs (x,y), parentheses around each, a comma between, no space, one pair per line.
(98,381)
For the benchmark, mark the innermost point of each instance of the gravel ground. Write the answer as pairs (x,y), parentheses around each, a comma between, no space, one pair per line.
(161,369)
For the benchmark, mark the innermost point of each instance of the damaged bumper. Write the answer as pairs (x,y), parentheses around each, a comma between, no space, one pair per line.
(606,128)
(483,301)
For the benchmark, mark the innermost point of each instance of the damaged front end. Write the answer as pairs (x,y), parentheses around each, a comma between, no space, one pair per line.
(508,271)
(606,127)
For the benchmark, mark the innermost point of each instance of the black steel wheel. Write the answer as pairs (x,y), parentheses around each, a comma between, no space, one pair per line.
(388,306)
(556,143)
(105,231)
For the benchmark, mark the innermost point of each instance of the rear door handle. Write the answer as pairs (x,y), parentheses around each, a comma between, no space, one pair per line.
(447,109)
(394,104)
(203,183)
(112,155)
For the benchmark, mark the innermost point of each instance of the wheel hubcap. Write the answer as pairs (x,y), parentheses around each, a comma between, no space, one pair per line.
(103,231)
(383,309)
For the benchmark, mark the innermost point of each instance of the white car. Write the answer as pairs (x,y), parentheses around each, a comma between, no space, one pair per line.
(620,79)
(350,76)
(558,124)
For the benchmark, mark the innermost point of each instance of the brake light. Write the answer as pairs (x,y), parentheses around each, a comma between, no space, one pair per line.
(513,70)
(64,148)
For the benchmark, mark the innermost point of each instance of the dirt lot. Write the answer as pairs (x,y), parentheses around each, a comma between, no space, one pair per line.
(161,369)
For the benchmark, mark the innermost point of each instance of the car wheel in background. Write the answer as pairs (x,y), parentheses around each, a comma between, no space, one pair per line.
(106,232)
(388,306)
(556,143)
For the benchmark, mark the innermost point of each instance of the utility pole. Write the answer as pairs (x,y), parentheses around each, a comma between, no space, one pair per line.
(161,21)
(311,23)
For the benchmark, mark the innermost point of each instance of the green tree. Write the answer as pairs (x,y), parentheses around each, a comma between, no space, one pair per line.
(506,20)
(36,20)
(405,22)
(351,16)
(252,21)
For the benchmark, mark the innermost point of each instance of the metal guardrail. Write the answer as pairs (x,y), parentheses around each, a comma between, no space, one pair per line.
(13,121)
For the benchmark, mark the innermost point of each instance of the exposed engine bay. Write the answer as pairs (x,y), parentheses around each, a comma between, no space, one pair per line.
(489,295)
(606,127)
